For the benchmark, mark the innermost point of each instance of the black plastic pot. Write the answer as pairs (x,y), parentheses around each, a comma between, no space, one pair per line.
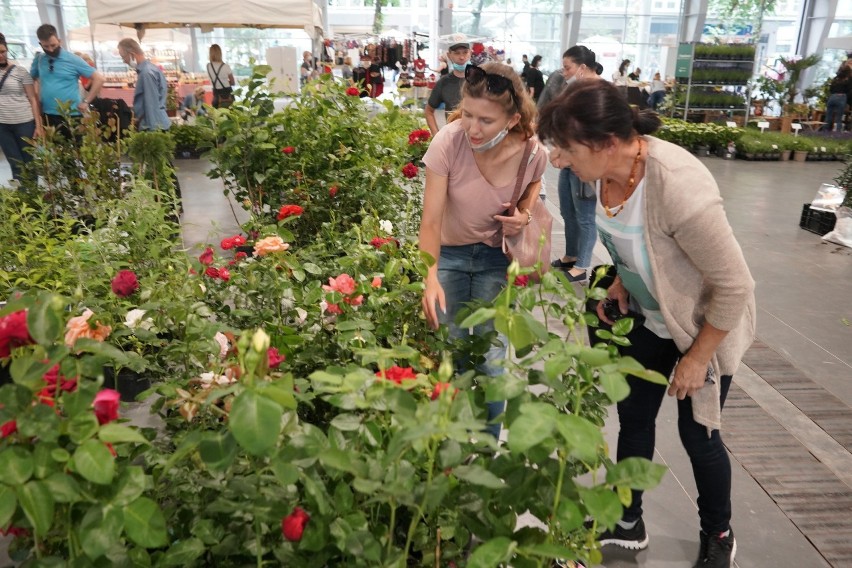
(128,383)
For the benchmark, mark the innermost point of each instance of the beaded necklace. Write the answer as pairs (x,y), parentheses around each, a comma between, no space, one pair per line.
(631,185)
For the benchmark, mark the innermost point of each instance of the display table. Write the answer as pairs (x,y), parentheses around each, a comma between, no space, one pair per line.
(126,93)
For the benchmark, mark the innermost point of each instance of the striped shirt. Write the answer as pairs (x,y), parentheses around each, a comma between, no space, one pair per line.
(15,107)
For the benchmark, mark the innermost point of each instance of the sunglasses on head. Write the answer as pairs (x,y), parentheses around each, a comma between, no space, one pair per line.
(494,84)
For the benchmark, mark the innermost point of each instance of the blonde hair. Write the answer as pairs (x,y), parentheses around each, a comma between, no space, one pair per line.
(199,91)
(525,105)
(215,53)
(347,61)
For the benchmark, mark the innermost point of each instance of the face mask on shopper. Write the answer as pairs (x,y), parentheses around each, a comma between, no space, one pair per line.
(460,67)
(491,143)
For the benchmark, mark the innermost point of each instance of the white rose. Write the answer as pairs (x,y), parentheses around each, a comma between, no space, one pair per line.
(386,226)
(133,318)
(223,344)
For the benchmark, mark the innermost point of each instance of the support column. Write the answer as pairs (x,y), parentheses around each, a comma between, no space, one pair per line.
(571,23)
(692,19)
(50,12)
(817,17)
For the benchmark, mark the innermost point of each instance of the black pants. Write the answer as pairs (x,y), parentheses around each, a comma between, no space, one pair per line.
(637,416)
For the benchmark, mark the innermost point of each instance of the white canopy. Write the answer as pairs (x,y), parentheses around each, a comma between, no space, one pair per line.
(841,42)
(208,14)
(113,33)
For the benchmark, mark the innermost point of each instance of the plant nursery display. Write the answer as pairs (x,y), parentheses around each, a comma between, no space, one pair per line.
(303,414)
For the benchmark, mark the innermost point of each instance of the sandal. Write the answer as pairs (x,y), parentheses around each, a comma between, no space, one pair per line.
(560,264)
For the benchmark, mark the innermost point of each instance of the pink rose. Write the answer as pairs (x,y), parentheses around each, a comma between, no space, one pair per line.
(377,282)
(14,332)
(79,326)
(270,244)
(206,257)
(106,405)
(343,284)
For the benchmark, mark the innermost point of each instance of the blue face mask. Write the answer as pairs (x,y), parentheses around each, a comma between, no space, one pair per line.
(462,67)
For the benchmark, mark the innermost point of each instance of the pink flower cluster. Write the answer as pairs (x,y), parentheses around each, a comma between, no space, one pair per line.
(344,285)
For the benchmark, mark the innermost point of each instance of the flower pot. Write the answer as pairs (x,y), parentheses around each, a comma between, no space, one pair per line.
(800,155)
(128,383)
(702,151)
(785,155)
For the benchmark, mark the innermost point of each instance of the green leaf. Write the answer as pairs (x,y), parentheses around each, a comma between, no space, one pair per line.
(602,503)
(43,463)
(636,473)
(531,428)
(38,505)
(285,472)
(43,319)
(8,504)
(218,450)
(347,422)
(255,422)
(16,465)
(548,550)
(478,317)
(615,386)
(63,487)
(29,372)
(183,553)
(479,476)
(283,397)
(118,433)
(449,454)
(131,484)
(493,553)
(339,459)
(100,530)
(144,523)
(583,437)
(82,427)
(94,462)
(651,376)
(516,327)
(569,515)
(594,357)
(506,387)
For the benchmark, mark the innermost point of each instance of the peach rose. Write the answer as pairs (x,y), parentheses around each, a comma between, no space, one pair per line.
(79,326)
(268,245)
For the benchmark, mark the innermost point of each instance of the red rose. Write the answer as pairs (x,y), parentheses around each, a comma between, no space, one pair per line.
(397,374)
(14,332)
(14,532)
(227,243)
(288,149)
(212,272)
(206,257)
(293,525)
(274,357)
(45,396)
(334,309)
(409,170)
(522,280)
(8,428)
(352,91)
(379,242)
(238,240)
(289,211)
(106,405)
(441,387)
(125,283)
(240,255)
(224,274)
(418,136)
(332,191)
(477,48)
(356,301)
(53,378)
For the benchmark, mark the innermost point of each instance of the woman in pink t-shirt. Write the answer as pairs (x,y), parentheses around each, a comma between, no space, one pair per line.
(471,170)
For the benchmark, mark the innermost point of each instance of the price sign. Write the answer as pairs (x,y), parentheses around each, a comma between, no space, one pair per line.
(763,125)
(796,126)
(731,124)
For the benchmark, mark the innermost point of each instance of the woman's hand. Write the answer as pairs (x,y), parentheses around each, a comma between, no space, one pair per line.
(433,299)
(618,293)
(689,376)
(38,132)
(513,225)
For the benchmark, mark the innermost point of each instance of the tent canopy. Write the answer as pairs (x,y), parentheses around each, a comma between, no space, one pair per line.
(841,42)
(113,33)
(208,14)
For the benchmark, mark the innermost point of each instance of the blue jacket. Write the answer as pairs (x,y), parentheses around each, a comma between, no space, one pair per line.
(149,98)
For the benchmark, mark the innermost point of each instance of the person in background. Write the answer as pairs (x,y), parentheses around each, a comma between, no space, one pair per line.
(576,199)
(661,217)
(447,91)
(360,77)
(306,68)
(57,73)
(193,104)
(346,71)
(634,76)
(221,78)
(526,67)
(20,119)
(840,91)
(85,82)
(376,78)
(535,80)
(472,166)
(619,78)
(149,96)
(658,91)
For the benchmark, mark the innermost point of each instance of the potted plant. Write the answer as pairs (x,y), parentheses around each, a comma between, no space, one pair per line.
(801,147)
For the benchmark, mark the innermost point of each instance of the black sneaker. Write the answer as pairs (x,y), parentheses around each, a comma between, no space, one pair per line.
(632,539)
(718,552)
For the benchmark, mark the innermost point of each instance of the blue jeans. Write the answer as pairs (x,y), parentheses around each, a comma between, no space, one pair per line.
(637,416)
(656,98)
(834,109)
(578,214)
(12,143)
(467,273)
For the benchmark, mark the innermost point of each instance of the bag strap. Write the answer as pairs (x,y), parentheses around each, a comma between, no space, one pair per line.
(6,74)
(521,171)
(214,76)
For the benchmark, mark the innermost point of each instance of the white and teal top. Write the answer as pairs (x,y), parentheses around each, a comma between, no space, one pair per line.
(624,238)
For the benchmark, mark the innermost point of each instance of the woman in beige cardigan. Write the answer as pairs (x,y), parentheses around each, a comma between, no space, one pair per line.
(677,263)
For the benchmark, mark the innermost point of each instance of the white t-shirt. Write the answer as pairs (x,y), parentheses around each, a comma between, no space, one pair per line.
(624,238)
(15,107)
(219,75)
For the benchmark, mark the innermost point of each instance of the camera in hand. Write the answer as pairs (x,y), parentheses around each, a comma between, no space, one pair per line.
(611,311)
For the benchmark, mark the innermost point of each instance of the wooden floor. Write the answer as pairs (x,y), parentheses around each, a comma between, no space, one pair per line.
(806,490)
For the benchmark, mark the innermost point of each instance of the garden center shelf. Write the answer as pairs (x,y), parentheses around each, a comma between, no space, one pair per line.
(713,78)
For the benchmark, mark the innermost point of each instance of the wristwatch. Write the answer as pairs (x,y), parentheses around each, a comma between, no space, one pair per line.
(529,215)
